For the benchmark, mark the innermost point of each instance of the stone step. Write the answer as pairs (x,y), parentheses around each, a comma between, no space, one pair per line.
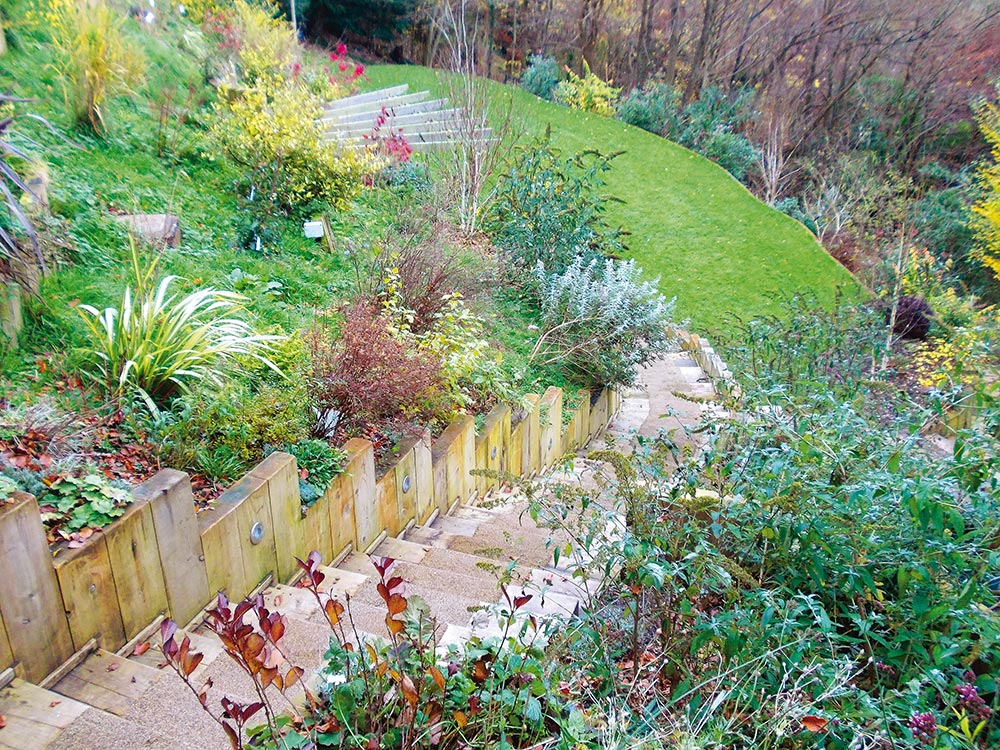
(206,644)
(367,97)
(107,681)
(448,595)
(330,112)
(432,105)
(416,122)
(35,717)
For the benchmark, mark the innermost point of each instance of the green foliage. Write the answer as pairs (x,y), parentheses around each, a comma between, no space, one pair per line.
(542,77)
(548,209)
(154,344)
(223,433)
(654,107)
(814,575)
(91,56)
(711,126)
(600,321)
(471,372)
(82,502)
(318,462)
(589,92)
(373,20)
(494,691)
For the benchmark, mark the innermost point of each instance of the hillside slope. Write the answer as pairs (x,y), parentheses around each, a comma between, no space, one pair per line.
(718,249)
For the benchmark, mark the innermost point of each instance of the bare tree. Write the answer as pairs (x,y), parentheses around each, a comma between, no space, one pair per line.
(481,127)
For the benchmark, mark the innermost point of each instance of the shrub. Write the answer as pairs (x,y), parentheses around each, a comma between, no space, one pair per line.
(986,211)
(813,577)
(542,77)
(600,321)
(425,275)
(733,152)
(274,133)
(369,375)
(711,126)
(653,108)
(400,692)
(470,371)
(913,318)
(156,343)
(548,210)
(589,92)
(91,56)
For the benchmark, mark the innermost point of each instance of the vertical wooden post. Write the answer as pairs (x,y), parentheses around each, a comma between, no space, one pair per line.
(551,441)
(178,541)
(406,483)
(531,454)
(281,476)
(89,594)
(361,467)
(237,536)
(423,477)
(135,564)
(30,602)
(343,527)
(468,439)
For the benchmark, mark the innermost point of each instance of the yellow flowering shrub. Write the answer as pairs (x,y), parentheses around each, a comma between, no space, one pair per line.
(272,129)
(199,10)
(91,56)
(589,93)
(987,208)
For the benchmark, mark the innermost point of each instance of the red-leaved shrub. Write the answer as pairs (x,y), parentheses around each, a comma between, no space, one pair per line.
(370,376)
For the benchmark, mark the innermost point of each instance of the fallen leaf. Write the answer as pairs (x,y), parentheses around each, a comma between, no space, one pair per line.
(53,704)
(814,723)
(140,648)
(113,666)
(3,721)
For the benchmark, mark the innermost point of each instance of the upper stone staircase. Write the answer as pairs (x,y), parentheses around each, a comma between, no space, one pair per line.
(426,124)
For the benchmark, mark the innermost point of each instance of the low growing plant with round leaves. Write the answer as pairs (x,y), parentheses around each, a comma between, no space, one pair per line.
(600,321)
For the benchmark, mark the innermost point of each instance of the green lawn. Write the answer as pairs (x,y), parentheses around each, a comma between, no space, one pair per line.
(715,247)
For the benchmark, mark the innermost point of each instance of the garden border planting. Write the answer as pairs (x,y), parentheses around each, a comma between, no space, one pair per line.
(163,559)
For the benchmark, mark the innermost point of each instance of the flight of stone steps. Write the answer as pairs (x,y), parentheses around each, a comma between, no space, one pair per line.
(130,700)
(452,563)
(426,124)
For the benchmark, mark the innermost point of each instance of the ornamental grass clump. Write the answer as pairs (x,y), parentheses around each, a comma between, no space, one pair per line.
(155,343)
(91,56)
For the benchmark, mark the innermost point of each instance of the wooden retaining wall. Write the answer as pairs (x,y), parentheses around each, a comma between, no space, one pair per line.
(161,558)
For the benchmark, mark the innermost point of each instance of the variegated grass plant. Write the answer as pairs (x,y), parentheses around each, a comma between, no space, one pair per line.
(155,343)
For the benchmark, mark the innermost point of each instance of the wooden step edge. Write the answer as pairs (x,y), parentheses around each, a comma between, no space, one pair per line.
(69,665)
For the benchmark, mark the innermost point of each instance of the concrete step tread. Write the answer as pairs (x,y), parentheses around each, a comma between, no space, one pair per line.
(35,716)
(107,681)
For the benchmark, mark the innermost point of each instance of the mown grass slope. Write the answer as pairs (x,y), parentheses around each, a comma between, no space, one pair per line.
(719,250)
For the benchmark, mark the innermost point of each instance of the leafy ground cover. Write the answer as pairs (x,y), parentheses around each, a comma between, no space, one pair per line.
(714,246)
